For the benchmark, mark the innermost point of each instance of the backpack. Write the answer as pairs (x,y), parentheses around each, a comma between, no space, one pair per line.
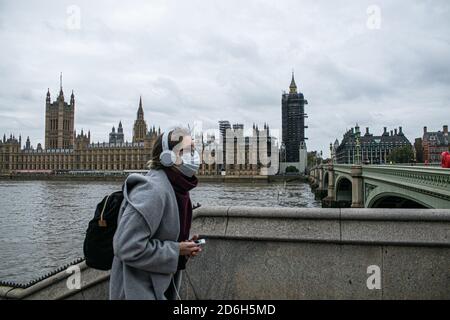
(98,243)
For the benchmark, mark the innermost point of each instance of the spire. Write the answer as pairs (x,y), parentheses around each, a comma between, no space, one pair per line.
(72,99)
(48,96)
(61,94)
(293,86)
(140,113)
(120,129)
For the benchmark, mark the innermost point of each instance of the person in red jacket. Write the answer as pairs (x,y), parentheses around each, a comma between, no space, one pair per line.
(445,159)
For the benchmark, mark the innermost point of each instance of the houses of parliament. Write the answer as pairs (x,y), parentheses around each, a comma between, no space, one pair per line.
(65,150)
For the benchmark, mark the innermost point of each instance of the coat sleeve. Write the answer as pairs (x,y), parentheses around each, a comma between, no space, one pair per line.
(134,246)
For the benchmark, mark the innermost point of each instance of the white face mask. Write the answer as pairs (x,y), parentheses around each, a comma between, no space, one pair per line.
(190,164)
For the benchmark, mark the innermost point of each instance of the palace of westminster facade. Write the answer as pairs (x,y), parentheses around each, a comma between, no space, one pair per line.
(65,150)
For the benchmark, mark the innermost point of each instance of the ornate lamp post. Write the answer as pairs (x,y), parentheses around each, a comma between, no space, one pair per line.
(358,146)
(331,153)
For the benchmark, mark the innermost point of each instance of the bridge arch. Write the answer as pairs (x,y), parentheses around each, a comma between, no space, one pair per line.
(395,200)
(325,180)
(344,190)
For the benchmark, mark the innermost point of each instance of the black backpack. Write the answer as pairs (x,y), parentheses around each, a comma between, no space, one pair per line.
(98,244)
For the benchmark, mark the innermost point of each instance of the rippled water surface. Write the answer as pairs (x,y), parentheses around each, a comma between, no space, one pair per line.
(42,223)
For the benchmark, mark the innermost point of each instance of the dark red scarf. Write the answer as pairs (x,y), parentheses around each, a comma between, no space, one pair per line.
(181,185)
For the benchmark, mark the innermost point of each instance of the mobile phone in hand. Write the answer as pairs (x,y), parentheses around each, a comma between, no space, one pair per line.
(200,242)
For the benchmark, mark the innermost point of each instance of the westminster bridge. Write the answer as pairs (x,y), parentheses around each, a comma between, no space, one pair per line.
(381,186)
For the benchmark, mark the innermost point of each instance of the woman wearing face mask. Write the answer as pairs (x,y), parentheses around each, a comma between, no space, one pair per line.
(151,243)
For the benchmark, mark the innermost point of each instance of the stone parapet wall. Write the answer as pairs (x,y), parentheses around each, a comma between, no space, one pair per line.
(288,253)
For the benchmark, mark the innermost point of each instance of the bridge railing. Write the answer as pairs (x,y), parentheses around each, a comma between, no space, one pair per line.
(432,179)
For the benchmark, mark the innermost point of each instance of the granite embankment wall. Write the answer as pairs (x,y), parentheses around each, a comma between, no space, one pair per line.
(287,253)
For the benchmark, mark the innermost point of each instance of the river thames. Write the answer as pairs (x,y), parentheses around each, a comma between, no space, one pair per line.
(43,223)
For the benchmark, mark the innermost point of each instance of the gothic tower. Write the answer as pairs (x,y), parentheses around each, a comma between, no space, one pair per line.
(59,121)
(293,122)
(120,135)
(140,127)
(117,137)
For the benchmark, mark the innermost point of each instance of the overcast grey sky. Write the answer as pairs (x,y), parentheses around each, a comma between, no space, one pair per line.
(211,60)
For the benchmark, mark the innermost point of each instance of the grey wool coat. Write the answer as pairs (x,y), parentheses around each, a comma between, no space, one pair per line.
(146,250)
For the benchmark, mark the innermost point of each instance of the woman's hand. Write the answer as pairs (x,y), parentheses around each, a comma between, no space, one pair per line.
(189,248)
(195,237)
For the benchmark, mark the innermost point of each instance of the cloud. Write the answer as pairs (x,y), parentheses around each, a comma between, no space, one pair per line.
(209,61)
